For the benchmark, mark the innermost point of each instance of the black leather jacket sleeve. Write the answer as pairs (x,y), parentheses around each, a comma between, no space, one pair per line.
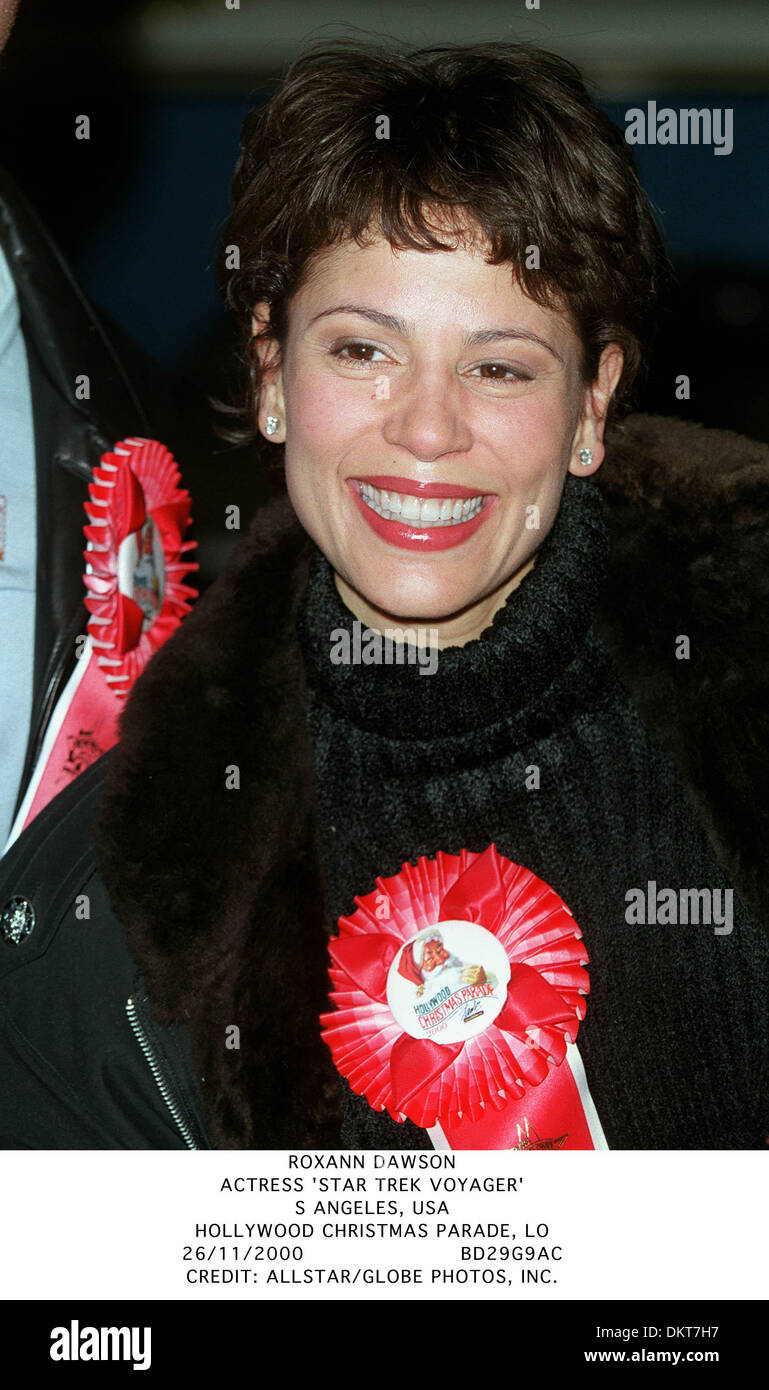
(83,1063)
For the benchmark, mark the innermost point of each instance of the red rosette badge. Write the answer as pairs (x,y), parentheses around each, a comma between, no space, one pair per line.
(136,567)
(136,557)
(458,986)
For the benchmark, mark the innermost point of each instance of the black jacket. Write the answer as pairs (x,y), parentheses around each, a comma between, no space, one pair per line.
(204,900)
(65,338)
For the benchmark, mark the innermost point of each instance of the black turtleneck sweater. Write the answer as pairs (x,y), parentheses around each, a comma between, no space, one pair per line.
(675,1042)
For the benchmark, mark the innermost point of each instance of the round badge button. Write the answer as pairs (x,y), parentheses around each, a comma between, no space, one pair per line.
(141,570)
(448,982)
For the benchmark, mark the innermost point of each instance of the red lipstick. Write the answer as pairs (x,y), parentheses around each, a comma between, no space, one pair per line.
(420,537)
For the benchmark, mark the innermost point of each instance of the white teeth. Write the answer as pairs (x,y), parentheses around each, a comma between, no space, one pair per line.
(428,511)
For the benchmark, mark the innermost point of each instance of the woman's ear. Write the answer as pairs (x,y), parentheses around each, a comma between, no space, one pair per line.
(587,450)
(271,413)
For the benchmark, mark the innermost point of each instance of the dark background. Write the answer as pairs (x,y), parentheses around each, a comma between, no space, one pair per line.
(139,207)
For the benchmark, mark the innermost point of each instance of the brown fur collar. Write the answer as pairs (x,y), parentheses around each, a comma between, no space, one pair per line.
(220,889)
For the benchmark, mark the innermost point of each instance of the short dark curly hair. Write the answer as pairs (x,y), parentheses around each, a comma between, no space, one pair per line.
(502,136)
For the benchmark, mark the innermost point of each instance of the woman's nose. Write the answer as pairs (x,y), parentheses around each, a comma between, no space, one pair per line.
(425,415)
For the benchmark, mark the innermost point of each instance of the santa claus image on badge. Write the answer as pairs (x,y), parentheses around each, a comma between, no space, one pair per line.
(426,961)
(451,989)
(146,579)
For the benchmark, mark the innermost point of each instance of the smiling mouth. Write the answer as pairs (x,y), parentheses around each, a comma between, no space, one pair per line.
(420,511)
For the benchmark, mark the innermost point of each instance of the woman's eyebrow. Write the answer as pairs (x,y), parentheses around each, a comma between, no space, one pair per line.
(406,330)
(490,335)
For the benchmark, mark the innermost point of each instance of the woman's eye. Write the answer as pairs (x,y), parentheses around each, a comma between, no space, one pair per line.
(499,373)
(358,354)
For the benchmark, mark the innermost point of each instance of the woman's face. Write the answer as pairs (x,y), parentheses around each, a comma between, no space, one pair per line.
(430,412)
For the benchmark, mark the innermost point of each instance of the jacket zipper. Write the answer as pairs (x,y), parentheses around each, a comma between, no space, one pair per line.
(154,1066)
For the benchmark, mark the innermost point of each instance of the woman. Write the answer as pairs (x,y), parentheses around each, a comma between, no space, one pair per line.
(446,274)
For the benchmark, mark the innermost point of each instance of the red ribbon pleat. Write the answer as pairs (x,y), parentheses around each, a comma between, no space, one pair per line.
(531,1003)
(478,894)
(367,959)
(550,1116)
(415,1062)
(91,721)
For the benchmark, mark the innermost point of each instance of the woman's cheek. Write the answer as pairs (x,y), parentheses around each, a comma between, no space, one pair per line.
(328,409)
(533,434)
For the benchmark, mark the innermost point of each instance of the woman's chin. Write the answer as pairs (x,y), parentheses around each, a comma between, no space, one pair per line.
(425,604)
